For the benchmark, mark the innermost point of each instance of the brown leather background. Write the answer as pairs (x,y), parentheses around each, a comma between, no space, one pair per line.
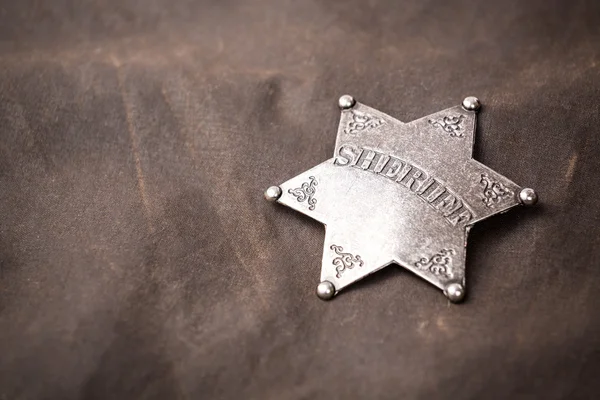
(138,258)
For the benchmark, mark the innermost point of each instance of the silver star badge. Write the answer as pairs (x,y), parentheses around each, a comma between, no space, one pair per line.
(403,193)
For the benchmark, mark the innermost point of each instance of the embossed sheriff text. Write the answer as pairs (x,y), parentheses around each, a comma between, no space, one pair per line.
(453,209)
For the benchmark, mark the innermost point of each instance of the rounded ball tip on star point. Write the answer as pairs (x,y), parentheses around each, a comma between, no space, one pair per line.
(528,197)
(346,101)
(455,292)
(273,193)
(325,290)
(471,103)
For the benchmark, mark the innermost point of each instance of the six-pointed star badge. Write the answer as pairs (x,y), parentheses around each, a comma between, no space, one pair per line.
(404,193)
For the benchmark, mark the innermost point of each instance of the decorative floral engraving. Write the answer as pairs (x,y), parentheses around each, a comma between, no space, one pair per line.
(306,192)
(439,264)
(450,124)
(493,192)
(361,121)
(345,260)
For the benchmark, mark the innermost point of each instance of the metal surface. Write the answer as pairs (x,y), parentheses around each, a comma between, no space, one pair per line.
(404,193)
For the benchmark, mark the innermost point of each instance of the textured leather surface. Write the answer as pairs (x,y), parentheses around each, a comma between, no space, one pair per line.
(138,258)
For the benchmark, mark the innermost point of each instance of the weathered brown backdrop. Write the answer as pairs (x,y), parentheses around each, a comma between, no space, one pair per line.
(138,258)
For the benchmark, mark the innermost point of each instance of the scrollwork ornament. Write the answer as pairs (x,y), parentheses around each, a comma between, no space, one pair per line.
(362,121)
(344,260)
(439,264)
(493,192)
(306,192)
(450,124)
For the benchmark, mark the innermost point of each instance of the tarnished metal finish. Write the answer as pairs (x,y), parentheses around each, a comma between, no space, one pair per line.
(405,193)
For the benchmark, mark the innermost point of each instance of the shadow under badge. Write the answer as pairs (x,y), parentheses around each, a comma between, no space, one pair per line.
(396,192)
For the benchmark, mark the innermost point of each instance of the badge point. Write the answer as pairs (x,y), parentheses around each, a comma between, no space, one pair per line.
(346,102)
(273,193)
(455,292)
(528,197)
(325,290)
(471,103)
